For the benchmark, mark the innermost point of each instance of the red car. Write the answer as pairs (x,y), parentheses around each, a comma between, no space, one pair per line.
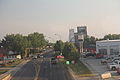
(98,56)
(118,70)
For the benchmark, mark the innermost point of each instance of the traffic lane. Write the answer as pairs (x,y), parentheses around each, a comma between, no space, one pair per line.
(53,71)
(27,72)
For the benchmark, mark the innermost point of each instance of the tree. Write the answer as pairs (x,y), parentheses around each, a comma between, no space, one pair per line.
(59,45)
(8,42)
(89,41)
(112,36)
(70,51)
(18,43)
(37,40)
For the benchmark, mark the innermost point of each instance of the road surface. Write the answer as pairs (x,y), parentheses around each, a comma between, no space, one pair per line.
(47,71)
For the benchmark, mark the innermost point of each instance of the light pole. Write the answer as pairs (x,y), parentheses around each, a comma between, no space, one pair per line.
(73,38)
(58,36)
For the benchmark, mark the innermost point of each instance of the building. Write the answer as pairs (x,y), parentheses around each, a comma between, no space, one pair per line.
(71,35)
(82,30)
(78,37)
(108,47)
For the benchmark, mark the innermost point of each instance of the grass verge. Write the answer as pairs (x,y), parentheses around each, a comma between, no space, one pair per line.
(14,64)
(79,69)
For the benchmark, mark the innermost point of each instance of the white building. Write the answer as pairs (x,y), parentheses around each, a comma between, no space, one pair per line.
(71,35)
(108,47)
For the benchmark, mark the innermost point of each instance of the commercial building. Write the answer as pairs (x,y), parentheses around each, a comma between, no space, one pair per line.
(71,35)
(78,37)
(108,47)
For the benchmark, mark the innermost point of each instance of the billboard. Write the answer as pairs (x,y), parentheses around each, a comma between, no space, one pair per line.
(82,30)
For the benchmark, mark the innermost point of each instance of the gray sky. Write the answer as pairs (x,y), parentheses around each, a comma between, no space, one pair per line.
(58,16)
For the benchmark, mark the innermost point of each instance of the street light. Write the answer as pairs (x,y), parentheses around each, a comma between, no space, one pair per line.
(58,36)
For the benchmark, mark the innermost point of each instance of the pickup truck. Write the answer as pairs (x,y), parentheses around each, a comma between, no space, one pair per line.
(114,65)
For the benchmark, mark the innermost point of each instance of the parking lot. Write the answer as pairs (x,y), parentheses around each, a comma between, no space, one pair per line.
(97,68)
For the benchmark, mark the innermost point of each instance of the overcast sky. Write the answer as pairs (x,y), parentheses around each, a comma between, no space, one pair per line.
(58,16)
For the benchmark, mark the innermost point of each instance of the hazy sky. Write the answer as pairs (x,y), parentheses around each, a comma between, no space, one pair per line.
(58,16)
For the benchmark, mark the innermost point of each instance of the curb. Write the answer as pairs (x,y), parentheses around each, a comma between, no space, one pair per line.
(91,69)
(8,75)
(72,74)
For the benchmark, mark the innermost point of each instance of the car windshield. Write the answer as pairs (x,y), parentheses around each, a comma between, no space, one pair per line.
(52,58)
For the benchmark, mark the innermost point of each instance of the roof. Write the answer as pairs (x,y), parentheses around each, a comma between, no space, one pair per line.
(118,40)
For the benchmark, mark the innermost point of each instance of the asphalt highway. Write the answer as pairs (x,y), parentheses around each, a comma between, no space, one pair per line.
(46,71)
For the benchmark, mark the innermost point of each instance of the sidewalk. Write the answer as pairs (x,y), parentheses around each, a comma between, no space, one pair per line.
(12,71)
(97,77)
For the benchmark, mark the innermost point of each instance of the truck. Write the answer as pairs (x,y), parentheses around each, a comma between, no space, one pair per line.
(114,65)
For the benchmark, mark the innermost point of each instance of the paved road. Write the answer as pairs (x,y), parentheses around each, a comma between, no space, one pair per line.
(27,72)
(47,71)
(53,72)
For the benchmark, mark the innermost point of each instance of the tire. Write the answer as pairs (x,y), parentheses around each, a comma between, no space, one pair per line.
(114,68)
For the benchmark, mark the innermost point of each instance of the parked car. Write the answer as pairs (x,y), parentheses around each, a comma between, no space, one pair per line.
(89,54)
(114,65)
(118,70)
(99,56)
(106,60)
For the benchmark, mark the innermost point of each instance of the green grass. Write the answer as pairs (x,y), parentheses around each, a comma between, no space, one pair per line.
(15,63)
(3,71)
(79,68)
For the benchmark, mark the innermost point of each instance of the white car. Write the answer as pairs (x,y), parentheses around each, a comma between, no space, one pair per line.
(114,65)
(106,60)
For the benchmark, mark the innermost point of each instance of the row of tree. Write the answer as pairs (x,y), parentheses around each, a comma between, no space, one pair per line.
(68,50)
(18,42)
(90,41)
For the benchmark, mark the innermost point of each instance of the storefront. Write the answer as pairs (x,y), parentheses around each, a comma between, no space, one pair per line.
(108,47)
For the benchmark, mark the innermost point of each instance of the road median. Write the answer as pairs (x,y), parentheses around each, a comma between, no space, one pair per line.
(79,71)
(8,75)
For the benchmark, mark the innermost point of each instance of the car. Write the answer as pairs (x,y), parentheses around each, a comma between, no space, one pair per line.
(89,54)
(106,60)
(118,70)
(35,57)
(53,60)
(114,65)
(99,56)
